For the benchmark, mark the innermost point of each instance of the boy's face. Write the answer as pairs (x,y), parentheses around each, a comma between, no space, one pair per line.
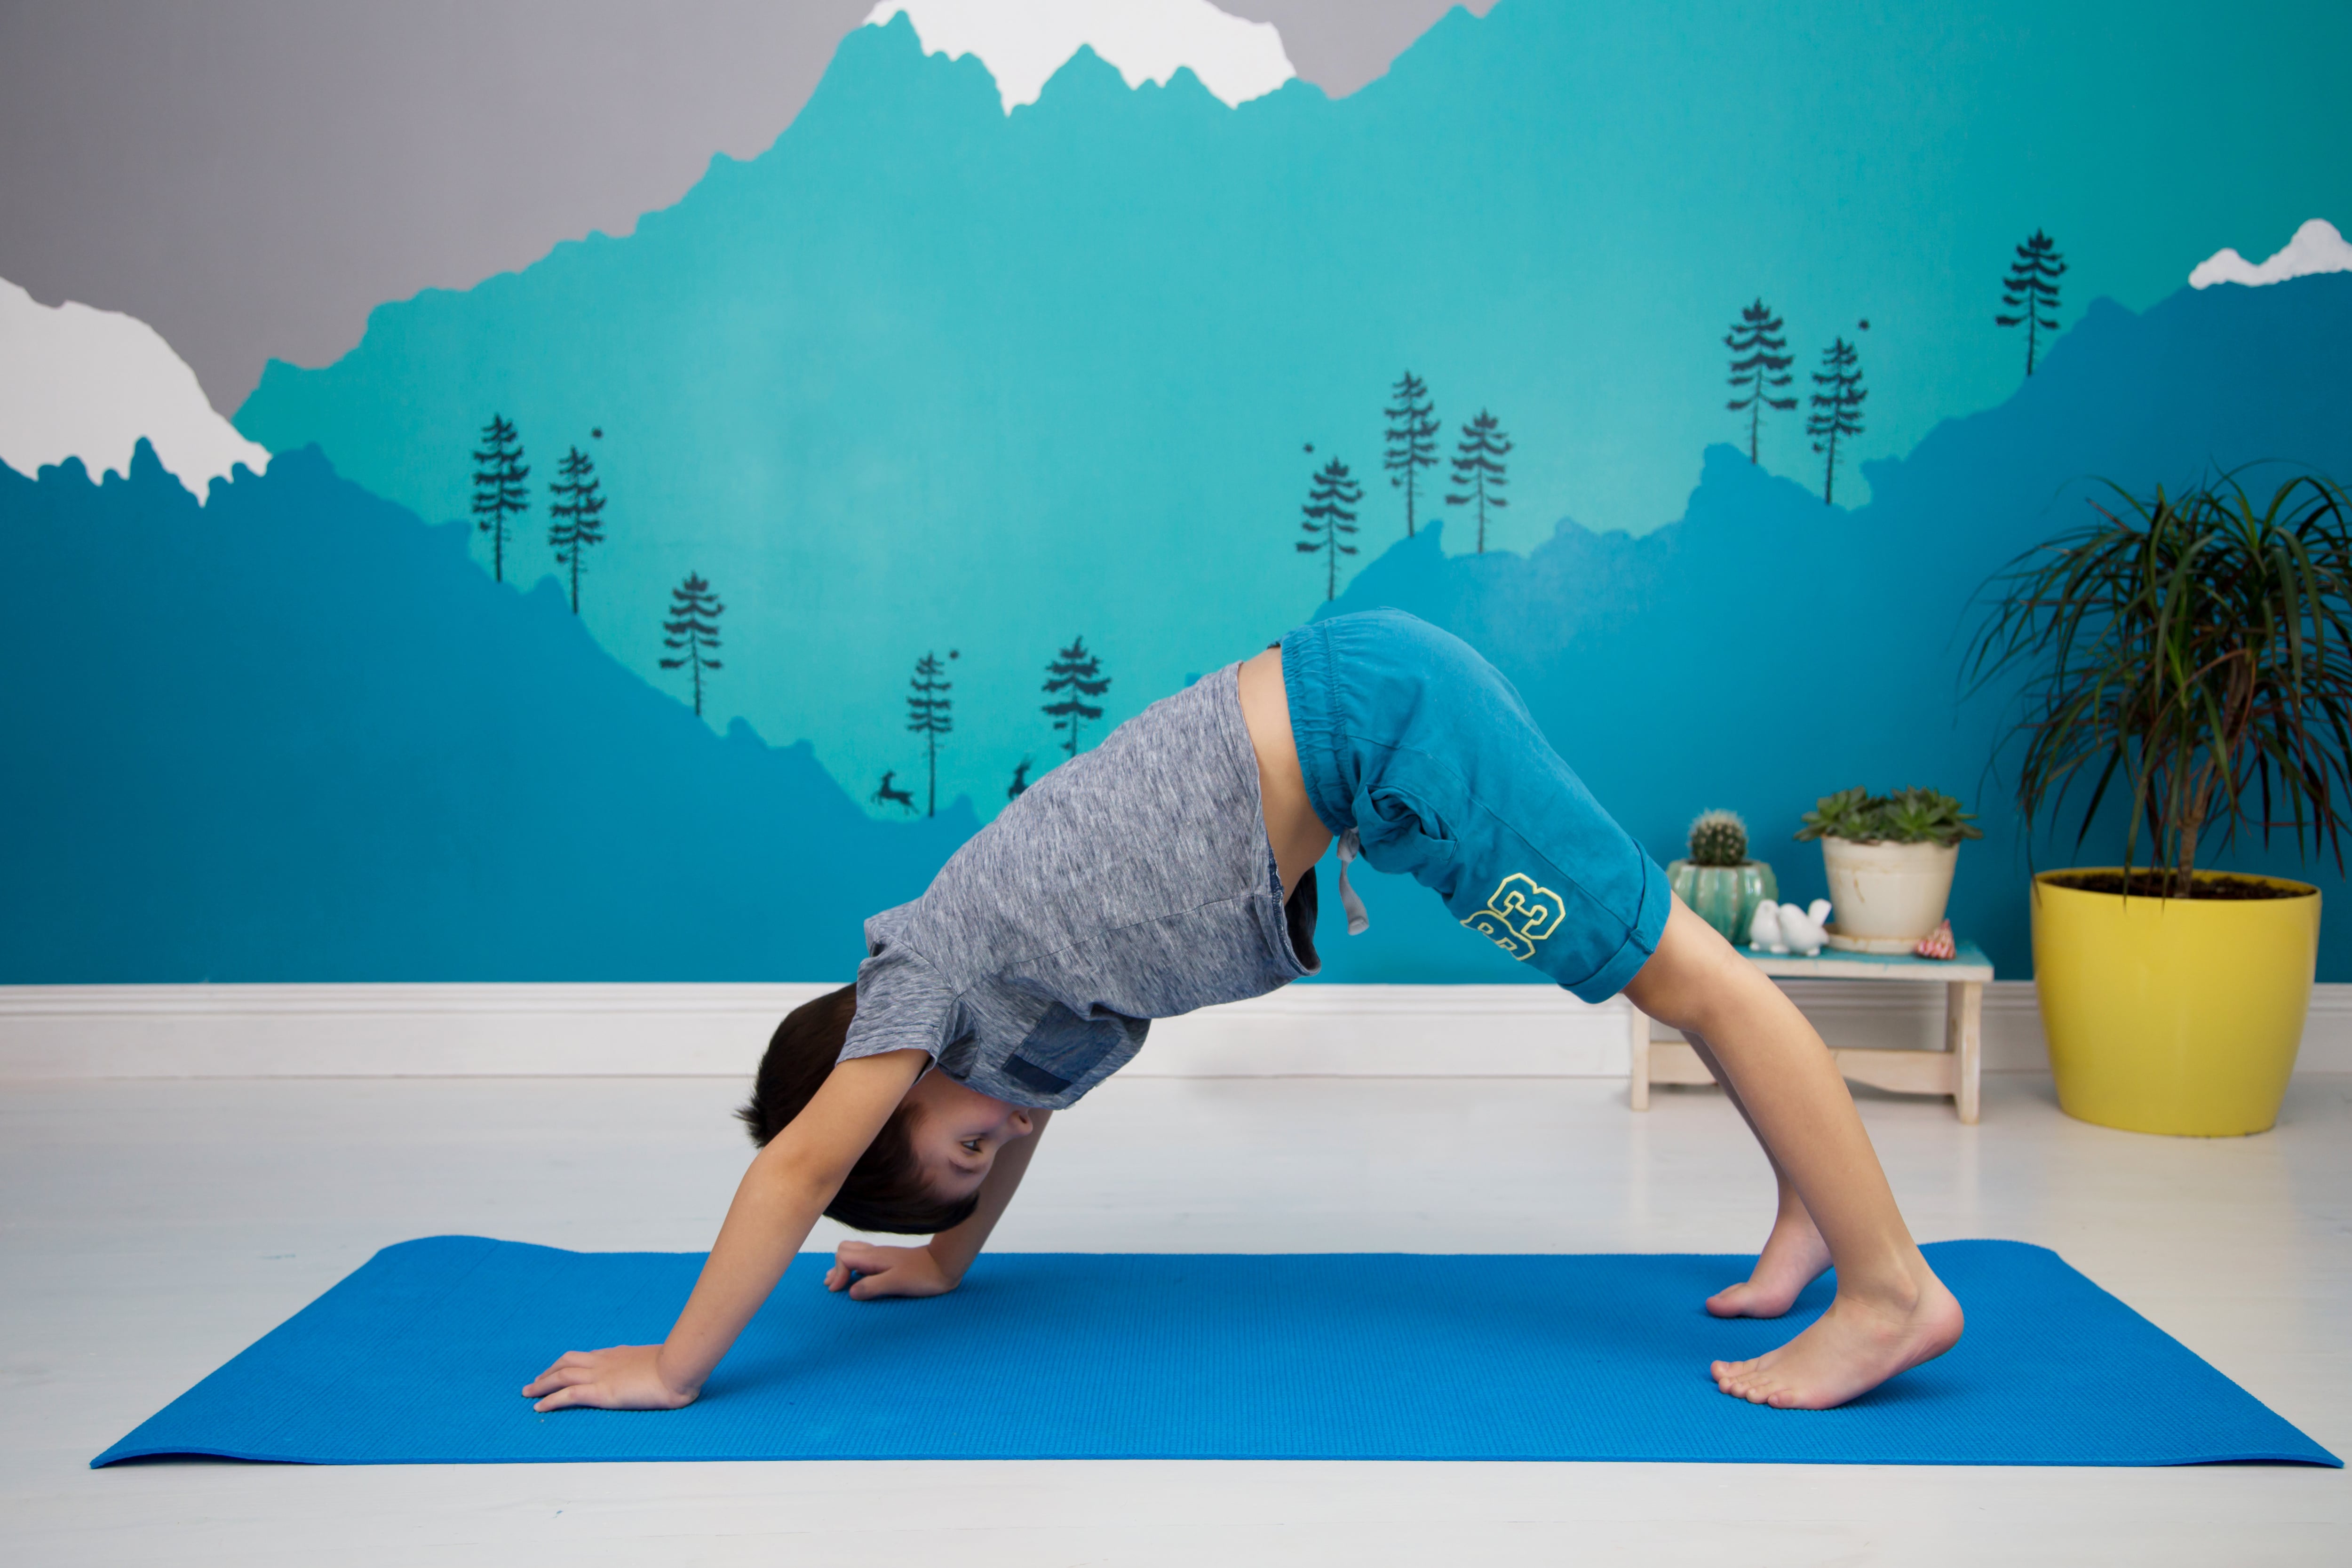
(958,1131)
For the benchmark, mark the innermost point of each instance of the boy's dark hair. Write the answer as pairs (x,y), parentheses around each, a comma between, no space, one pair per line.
(885,1190)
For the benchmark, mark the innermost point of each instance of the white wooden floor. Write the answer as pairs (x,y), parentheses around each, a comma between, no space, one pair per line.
(149,1230)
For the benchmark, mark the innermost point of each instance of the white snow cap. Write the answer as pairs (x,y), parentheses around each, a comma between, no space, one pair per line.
(78,383)
(2315,247)
(1024,42)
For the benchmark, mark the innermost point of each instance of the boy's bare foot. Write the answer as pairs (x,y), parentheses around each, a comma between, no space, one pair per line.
(1794,1255)
(1860,1342)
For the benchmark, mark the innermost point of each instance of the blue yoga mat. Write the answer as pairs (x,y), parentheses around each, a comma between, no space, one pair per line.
(416,1357)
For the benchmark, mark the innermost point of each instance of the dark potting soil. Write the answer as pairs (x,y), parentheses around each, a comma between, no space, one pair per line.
(2154,885)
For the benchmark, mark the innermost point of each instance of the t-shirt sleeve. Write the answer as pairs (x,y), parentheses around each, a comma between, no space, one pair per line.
(903,1003)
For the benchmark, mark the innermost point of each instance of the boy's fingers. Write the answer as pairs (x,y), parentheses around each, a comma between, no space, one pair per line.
(890,1282)
(564,1398)
(562,1377)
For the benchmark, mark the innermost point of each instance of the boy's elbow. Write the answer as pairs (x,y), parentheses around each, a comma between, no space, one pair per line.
(793,1168)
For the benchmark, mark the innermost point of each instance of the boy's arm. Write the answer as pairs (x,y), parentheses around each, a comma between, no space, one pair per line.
(867,1270)
(788,1186)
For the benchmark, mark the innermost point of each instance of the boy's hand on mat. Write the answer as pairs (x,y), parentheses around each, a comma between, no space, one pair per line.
(866,1271)
(623,1378)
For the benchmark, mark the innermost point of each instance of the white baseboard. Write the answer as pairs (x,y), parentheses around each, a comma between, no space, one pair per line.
(524,1030)
(389,1031)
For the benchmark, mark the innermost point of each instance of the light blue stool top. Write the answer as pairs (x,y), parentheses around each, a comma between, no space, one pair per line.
(1969,964)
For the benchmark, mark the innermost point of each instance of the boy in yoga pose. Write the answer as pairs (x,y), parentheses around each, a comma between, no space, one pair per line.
(1172,868)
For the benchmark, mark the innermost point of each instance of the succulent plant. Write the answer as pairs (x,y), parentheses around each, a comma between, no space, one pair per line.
(1928,816)
(1718,839)
(1907,816)
(1850,814)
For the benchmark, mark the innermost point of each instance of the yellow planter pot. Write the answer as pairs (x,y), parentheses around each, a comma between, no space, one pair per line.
(2175,1016)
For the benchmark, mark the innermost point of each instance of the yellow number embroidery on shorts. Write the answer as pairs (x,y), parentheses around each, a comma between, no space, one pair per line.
(1519,915)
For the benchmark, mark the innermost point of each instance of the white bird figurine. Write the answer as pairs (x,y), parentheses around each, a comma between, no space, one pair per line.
(1804,931)
(1785,928)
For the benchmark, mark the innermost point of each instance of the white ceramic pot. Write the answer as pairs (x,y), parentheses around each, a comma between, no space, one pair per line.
(1891,893)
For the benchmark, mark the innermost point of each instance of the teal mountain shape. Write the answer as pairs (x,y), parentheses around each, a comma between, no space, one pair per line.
(295,734)
(923,376)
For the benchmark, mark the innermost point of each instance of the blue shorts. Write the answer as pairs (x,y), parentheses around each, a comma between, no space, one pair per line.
(1421,746)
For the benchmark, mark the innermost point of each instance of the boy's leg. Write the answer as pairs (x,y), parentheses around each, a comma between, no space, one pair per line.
(1891,1312)
(1405,734)
(1794,1254)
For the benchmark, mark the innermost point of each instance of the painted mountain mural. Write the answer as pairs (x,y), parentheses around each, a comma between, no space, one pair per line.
(935,441)
(295,733)
(928,380)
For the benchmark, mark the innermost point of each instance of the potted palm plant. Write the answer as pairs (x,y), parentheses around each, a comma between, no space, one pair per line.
(2187,659)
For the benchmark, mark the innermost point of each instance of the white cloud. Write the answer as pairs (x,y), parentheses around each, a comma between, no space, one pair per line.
(1024,42)
(2315,247)
(78,383)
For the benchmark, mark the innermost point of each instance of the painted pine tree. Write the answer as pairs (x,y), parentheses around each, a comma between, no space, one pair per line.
(1079,673)
(692,631)
(930,714)
(1020,784)
(1759,368)
(577,514)
(1412,440)
(1837,407)
(498,489)
(1329,513)
(1479,472)
(2030,288)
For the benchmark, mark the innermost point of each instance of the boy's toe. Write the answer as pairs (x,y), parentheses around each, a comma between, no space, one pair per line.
(1753,1381)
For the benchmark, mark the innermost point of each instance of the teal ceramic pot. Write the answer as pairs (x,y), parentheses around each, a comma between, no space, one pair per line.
(1724,897)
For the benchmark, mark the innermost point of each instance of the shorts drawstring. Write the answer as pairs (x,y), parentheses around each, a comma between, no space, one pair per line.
(1350,847)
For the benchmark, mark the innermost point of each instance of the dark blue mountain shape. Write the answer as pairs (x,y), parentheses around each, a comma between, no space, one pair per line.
(295,735)
(1767,649)
(923,373)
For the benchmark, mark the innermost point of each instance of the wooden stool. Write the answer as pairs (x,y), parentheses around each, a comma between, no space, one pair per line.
(1952,1071)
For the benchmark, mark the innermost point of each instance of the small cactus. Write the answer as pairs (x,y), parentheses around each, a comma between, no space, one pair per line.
(1718,839)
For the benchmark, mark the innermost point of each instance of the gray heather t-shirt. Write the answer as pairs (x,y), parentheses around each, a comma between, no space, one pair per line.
(1131,883)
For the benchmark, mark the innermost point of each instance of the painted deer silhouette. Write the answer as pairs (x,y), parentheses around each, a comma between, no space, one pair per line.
(886,796)
(1019,780)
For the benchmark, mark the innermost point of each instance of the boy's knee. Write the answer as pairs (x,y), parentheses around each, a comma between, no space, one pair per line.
(1693,974)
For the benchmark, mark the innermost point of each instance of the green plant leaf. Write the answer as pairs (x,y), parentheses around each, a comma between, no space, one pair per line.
(2196,649)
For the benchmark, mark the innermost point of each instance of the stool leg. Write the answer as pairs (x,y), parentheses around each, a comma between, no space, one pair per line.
(1964,1037)
(1637,1037)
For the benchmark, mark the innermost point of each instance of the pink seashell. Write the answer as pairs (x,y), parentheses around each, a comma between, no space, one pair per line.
(1938,943)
